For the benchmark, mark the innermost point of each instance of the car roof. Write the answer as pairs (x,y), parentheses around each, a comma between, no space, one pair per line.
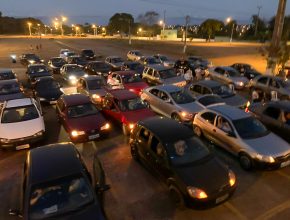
(208,83)
(55,58)
(122,94)
(128,62)
(98,62)
(167,130)
(36,64)
(53,161)
(226,68)
(231,112)
(71,64)
(6,71)
(134,50)
(18,102)
(159,67)
(167,88)
(113,57)
(91,77)
(285,105)
(8,81)
(75,99)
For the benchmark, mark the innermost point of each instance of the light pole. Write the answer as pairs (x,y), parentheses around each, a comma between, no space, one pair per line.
(94,28)
(29,27)
(187,19)
(162,23)
(140,31)
(63,19)
(229,19)
(38,25)
(77,29)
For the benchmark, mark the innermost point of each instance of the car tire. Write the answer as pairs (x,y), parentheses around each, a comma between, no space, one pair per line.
(125,130)
(134,152)
(176,117)
(176,196)
(197,131)
(245,161)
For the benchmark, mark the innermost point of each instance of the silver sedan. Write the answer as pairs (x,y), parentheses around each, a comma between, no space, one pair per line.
(242,135)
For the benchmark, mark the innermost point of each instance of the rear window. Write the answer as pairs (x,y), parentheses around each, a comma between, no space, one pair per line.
(19,114)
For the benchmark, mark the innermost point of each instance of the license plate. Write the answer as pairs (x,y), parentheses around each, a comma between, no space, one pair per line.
(52,102)
(222,198)
(286,163)
(91,137)
(21,147)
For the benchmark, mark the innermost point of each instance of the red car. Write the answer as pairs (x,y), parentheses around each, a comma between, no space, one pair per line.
(125,107)
(80,118)
(129,80)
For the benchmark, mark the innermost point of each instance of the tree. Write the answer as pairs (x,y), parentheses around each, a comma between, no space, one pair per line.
(120,22)
(149,18)
(210,26)
(286,27)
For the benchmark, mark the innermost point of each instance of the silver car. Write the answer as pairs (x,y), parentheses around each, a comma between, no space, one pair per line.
(72,72)
(92,86)
(172,102)
(164,60)
(158,75)
(228,75)
(242,135)
(134,55)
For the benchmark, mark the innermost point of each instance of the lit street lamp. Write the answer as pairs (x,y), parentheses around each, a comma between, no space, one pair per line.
(77,30)
(140,31)
(29,27)
(162,23)
(95,29)
(38,25)
(229,19)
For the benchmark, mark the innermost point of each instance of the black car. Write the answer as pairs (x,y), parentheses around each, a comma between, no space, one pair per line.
(275,115)
(133,65)
(77,60)
(98,68)
(46,89)
(56,184)
(55,63)
(203,87)
(6,74)
(10,89)
(246,70)
(181,66)
(30,58)
(88,54)
(36,70)
(195,177)
(198,61)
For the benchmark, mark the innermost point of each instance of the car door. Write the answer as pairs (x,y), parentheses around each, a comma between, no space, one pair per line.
(153,99)
(112,110)
(150,77)
(165,105)
(271,118)
(143,136)
(207,124)
(61,113)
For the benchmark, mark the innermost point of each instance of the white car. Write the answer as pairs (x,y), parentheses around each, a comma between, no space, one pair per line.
(62,53)
(134,55)
(21,123)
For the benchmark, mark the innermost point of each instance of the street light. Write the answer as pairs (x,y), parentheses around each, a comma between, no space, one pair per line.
(63,19)
(229,19)
(77,29)
(162,23)
(38,25)
(29,27)
(94,28)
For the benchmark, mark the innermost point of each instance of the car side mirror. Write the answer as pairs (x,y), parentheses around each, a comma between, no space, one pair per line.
(15,212)
(231,134)
(103,188)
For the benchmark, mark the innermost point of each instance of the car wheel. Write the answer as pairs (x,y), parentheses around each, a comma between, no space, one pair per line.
(197,131)
(134,153)
(245,161)
(176,196)
(176,117)
(125,130)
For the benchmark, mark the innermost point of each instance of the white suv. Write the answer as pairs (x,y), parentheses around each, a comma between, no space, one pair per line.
(21,123)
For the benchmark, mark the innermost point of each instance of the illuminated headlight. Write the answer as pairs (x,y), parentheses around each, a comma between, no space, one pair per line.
(42,61)
(239,83)
(86,75)
(132,90)
(267,159)
(196,193)
(13,57)
(232,178)
(38,133)
(105,127)
(96,97)
(72,78)
(31,61)
(4,140)
(131,126)
(186,115)
(75,133)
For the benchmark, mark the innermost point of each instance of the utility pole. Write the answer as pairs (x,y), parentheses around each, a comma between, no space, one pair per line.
(130,32)
(164,12)
(187,19)
(277,33)
(257,21)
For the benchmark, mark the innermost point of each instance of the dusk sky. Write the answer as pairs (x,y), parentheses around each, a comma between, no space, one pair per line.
(238,9)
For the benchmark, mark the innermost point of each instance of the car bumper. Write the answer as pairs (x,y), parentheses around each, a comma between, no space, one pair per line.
(276,165)
(89,137)
(22,141)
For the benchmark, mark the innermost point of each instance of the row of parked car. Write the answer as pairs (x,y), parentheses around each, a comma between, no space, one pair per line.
(169,145)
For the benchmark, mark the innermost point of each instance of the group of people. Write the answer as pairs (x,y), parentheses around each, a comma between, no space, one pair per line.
(37,47)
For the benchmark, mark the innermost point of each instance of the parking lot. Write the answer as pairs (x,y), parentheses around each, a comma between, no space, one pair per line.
(135,193)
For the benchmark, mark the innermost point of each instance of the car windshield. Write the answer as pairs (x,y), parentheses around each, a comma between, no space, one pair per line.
(250,127)
(58,62)
(95,84)
(47,84)
(232,73)
(163,58)
(223,91)
(77,111)
(70,54)
(9,88)
(131,104)
(7,75)
(31,57)
(100,65)
(131,78)
(74,68)
(19,114)
(38,69)
(168,73)
(59,197)
(209,100)
(181,97)
(183,152)
(152,60)
(117,60)
(88,52)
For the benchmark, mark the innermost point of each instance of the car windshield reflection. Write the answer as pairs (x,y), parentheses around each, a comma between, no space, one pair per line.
(131,104)
(181,97)
(82,110)
(19,114)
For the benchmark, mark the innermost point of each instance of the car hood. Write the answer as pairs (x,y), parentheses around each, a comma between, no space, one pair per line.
(100,92)
(118,64)
(87,123)
(21,129)
(35,75)
(103,70)
(138,86)
(135,116)
(11,96)
(169,62)
(201,175)
(239,79)
(235,100)
(49,93)
(192,107)
(173,80)
(270,145)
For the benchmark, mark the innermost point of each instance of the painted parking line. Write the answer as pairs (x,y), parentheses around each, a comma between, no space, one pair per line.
(234,210)
(274,211)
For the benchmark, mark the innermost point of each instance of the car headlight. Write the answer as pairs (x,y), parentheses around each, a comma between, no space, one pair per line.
(72,78)
(131,126)
(4,140)
(38,133)
(31,61)
(76,133)
(105,127)
(186,115)
(239,83)
(268,159)
(86,75)
(96,97)
(196,193)
(232,178)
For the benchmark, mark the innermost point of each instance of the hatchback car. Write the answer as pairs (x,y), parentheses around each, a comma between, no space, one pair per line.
(164,60)
(77,60)
(21,123)
(134,66)
(55,63)
(228,75)
(134,55)
(158,75)
(10,89)
(92,86)
(47,89)
(62,52)
(6,74)
(126,108)
(246,70)
(115,62)
(275,115)
(98,68)
(80,118)
(128,80)
(149,60)
(35,71)
(172,152)
(227,94)
(242,135)
(88,54)
(56,184)
(72,72)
